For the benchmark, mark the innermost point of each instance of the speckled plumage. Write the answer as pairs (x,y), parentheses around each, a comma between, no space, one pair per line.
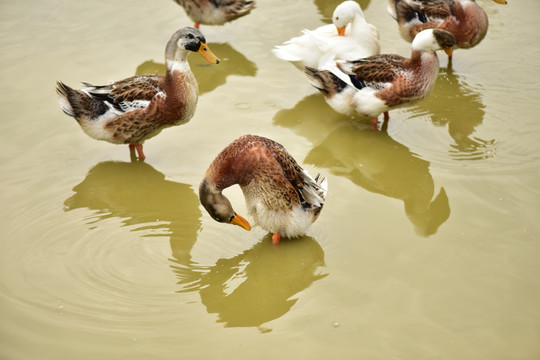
(280,195)
(465,19)
(378,83)
(135,109)
(215,12)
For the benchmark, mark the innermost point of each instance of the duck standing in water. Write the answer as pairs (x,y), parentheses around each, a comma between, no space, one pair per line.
(465,19)
(282,197)
(374,85)
(349,37)
(215,12)
(135,109)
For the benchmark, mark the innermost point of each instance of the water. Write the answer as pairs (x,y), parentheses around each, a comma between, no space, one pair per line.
(427,248)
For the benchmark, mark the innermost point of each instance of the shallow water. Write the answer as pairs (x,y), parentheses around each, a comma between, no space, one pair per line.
(428,246)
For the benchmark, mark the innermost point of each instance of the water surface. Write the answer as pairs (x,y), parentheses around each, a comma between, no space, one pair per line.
(427,248)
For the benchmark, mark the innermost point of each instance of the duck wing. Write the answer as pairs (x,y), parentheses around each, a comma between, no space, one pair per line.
(129,94)
(310,191)
(375,69)
(433,10)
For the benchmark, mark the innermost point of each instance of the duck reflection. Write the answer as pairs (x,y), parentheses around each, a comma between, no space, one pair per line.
(327,7)
(139,194)
(260,284)
(455,103)
(370,159)
(209,77)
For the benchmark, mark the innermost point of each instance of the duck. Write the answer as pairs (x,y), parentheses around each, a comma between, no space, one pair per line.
(349,37)
(134,109)
(215,12)
(465,19)
(374,85)
(280,196)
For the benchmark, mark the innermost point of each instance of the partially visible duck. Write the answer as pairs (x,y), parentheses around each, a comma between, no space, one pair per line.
(282,197)
(349,38)
(376,84)
(465,19)
(215,12)
(135,109)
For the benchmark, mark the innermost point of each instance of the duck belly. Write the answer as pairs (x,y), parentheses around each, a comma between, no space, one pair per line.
(95,128)
(288,222)
(368,104)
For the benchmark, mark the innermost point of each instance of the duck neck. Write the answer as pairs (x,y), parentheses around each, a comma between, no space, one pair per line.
(426,59)
(358,24)
(176,59)
(229,168)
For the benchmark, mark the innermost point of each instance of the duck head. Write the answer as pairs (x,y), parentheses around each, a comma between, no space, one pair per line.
(218,206)
(434,39)
(344,15)
(189,39)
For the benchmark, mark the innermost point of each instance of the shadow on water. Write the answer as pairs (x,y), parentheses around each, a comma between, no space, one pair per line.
(370,159)
(140,195)
(327,7)
(455,103)
(249,289)
(209,76)
(258,285)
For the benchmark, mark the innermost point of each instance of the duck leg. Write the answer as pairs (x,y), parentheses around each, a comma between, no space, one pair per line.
(138,148)
(275,238)
(374,122)
(196,25)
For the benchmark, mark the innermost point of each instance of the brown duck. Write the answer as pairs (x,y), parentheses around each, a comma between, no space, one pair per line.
(465,19)
(135,109)
(215,12)
(373,85)
(280,196)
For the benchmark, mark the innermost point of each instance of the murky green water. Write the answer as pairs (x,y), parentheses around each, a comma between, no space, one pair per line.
(428,246)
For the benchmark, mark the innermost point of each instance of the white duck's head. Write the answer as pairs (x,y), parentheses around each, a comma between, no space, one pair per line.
(433,39)
(344,14)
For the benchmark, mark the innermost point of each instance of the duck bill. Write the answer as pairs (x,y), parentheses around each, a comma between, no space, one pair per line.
(502,2)
(341,31)
(240,221)
(448,51)
(207,54)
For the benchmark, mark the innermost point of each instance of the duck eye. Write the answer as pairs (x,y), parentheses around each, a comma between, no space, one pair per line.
(231,219)
(190,36)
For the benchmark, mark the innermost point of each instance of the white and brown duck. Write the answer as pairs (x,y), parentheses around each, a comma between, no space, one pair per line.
(465,19)
(374,85)
(135,109)
(215,12)
(280,196)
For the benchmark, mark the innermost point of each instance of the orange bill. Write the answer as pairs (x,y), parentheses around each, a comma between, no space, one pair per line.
(341,31)
(502,2)
(240,221)
(448,51)
(207,54)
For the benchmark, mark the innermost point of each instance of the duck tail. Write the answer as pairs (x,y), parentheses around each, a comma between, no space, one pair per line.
(314,190)
(79,104)
(391,8)
(325,81)
(238,9)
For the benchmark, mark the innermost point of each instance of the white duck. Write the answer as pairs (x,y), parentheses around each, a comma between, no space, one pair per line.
(350,37)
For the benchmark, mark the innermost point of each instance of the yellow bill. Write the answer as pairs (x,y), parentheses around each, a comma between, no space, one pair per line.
(341,31)
(502,2)
(207,54)
(240,221)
